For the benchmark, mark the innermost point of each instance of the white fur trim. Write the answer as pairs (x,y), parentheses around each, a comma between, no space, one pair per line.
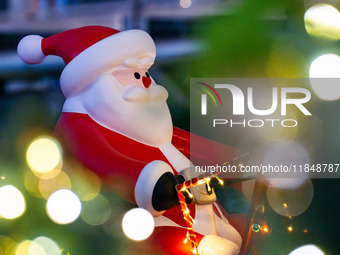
(103,56)
(29,49)
(146,183)
(215,245)
(163,221)
(148,61)
(175,157)
(227,231)
(205,220)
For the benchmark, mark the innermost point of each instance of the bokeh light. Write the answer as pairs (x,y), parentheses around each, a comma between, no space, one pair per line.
(279,133)
(265,229)
(28,247)
(44,156)
(326,66)
(284,54)
(35,249)
(290,228)
(49,186)
(85,183)
(31,182)
(12,202)
(138,224)
(185,3)
(23,248)
(256,227)
(7,244)
(48,245)
(96,211)
(39,246)
(63,206)
(323,20)
(286,154)
(309,249)
(291,202)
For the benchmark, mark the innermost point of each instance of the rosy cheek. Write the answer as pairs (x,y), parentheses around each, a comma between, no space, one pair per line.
(124,79)
(127,80)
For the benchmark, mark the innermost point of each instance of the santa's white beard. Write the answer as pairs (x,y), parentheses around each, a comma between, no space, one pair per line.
(133,111)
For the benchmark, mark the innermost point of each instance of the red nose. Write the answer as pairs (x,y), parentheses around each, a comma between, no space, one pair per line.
(146,81)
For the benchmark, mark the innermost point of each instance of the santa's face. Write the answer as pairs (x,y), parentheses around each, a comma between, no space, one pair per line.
(137,76)
(129,102)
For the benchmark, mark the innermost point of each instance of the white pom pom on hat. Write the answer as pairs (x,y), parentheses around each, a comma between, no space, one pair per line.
(29,49)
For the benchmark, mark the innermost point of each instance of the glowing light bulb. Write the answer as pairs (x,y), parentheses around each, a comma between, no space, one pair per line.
(200,182)
(12,202)
(138,224)
(265,229)
(189,194)
(309,249)
(63,206)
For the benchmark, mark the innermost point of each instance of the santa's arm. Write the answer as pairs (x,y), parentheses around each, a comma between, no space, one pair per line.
(202,151)
(148,184)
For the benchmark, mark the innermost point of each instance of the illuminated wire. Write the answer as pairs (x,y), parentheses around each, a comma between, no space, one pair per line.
(189,221)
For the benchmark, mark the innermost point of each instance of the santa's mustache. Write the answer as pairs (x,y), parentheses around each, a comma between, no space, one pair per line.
(137,93)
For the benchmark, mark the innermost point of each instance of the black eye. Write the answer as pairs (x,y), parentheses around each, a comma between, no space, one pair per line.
(137,75)
(147,74)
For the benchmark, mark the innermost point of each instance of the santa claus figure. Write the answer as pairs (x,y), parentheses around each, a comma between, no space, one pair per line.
(116,121)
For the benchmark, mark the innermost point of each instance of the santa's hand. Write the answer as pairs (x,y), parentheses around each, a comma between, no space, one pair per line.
(164,194)
(155,189)
(215,245)
(202,194)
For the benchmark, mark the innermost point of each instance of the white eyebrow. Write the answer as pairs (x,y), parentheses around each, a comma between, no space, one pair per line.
(132,62)
(148,61)
(142,62)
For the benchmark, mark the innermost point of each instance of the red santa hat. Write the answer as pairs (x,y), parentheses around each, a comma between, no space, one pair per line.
(88,52)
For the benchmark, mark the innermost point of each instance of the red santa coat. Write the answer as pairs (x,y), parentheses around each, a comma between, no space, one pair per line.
(119,160)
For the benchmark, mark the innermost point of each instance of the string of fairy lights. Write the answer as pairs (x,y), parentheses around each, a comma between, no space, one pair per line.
(181,190)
